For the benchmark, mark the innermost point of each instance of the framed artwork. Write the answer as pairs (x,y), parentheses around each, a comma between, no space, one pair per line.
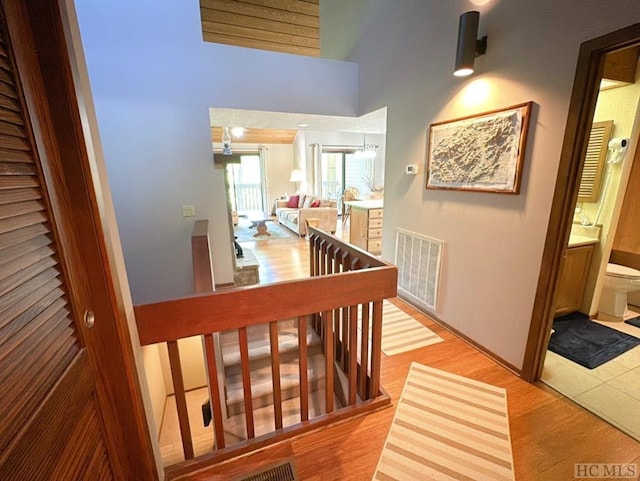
(482,152)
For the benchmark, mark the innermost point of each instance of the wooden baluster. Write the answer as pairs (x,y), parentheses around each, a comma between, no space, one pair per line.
(364,352)
(353,354)
(329,259)
(328,355)
(323,257)
(304,382)
(181,400)
(376,349)
(275,374)
(344,340)
(312,256)
(246,381)
(214,398)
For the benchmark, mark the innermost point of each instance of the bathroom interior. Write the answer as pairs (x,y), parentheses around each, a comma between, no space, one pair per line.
(600,276)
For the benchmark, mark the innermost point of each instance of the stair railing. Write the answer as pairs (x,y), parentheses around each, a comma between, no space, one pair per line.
(344,281)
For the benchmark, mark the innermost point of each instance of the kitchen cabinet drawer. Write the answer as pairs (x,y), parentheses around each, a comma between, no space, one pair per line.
(374,246)
(375,233)
(375,213)
(375,223)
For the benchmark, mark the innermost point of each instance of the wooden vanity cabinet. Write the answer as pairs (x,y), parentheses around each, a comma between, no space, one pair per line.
(365,229)
(573,279)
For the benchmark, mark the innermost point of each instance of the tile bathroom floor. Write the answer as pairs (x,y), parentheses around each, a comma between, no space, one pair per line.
(611,391)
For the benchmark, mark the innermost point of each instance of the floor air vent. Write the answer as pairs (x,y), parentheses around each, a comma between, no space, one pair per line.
(418,259)
(284,471)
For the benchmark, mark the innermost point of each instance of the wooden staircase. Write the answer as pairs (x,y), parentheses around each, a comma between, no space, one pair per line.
(260,365)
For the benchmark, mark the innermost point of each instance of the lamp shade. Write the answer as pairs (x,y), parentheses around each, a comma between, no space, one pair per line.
(467,39)
(296,176)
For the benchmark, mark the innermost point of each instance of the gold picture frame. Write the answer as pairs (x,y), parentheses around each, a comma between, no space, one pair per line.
(482,152)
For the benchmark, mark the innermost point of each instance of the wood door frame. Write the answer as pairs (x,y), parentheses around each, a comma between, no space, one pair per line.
(581,111)
(57,111)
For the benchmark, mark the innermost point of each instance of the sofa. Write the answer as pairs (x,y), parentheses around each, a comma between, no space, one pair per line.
(293,213)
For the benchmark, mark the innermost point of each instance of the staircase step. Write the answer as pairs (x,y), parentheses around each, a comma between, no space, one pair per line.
(262,385)
(259,343)
(235,426)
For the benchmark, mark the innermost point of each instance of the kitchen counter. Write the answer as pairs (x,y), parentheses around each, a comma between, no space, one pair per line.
(580,240)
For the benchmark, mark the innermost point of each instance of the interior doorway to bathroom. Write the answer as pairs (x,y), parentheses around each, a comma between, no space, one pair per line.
(582,236)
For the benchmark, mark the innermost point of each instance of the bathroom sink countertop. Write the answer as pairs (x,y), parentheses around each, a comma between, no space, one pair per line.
(581,240)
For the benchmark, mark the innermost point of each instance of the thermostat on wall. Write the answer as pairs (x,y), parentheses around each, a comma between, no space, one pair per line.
(411,169)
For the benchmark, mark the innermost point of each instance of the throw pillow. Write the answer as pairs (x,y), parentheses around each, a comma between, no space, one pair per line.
(293,201)
(301,200)
(315,203)
(308,200)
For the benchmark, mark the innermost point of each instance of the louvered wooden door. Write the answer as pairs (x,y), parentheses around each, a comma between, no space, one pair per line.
(49,422)
(57,414)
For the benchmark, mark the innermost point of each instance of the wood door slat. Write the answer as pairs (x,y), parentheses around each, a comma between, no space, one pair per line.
(14,333)
(61,411)
(24,290)
(12,155)
(24,262)
(25,234)
(24,274)
(12,130)
(8,89)
(18,195)
(11,116)
(21,404)
(39,342)
(28,305)
(21,208)
(9,103)
(16,168)
(17,182)
(28,245)
(14,223)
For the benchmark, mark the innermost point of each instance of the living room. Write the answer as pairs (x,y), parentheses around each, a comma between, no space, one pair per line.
(320,156)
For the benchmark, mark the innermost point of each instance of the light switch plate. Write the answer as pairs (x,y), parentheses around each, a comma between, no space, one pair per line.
(188,210)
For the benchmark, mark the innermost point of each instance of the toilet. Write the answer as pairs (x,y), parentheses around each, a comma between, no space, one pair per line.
(618,281)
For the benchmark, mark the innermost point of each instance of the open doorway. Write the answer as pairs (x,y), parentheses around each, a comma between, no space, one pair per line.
(574,309)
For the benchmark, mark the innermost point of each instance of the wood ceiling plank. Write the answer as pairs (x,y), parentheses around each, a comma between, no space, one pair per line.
(298,6)
(261,45)
(289,26)
(266,25)
(261,35)
(258,136)
(261,12)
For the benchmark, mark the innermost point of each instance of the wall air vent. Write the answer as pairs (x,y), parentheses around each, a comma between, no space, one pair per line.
(418,259)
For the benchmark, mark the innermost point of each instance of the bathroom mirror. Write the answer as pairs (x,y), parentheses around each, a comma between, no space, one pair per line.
(594,161)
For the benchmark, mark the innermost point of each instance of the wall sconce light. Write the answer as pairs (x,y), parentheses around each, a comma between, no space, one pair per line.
(226,142)
(469,46)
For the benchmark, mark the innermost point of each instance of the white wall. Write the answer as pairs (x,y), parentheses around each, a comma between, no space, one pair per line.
(153,80)
(493,242)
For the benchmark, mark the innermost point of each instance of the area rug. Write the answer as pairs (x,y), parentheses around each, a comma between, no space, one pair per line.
(402,333)
(634,322)
(447,427)
(244,233)
(586,342)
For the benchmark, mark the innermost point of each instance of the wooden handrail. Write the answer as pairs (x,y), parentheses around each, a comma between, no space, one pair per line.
(347,280)
(247,306)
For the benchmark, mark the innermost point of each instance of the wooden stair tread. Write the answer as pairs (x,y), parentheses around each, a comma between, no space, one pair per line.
(261,379)
(259,344)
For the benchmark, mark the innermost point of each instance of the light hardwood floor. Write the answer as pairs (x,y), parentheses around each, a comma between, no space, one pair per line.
(549,432)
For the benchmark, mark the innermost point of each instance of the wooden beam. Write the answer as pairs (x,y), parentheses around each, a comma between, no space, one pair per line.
(257,136)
